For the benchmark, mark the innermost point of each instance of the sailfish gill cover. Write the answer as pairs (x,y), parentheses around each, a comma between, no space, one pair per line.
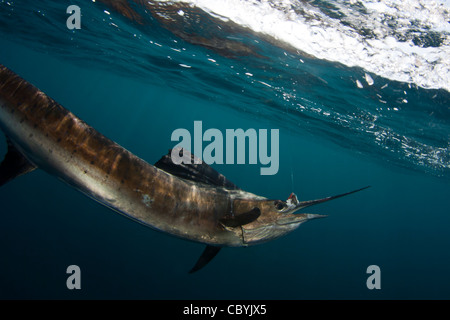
(359,91)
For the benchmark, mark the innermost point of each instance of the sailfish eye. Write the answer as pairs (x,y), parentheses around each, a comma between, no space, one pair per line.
(279,205)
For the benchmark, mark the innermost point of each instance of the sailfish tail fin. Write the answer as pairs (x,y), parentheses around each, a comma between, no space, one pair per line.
(14,165)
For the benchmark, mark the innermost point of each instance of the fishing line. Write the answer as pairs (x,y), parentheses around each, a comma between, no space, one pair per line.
(291,158)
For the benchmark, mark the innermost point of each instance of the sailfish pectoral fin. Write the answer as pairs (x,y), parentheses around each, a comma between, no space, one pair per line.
(241,219)
(208,254)
(211,251)
(13,165)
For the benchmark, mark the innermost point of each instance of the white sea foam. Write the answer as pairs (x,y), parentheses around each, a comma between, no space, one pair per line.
(378,36)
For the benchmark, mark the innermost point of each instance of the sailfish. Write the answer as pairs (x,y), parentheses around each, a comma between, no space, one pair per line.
(189,201)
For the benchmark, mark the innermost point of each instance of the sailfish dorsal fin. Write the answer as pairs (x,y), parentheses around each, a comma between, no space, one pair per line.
(194,171)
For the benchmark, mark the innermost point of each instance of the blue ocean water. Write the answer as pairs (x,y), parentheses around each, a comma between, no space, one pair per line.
(137,80)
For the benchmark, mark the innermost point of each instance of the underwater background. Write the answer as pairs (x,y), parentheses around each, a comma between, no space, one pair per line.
(359,91)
